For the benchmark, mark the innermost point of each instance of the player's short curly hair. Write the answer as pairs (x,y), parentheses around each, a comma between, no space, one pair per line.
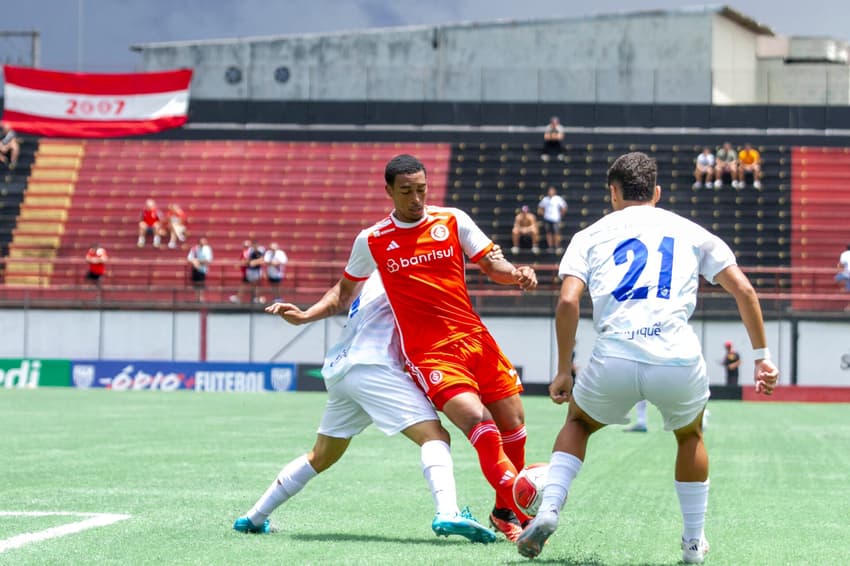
(403,164)
(636,174)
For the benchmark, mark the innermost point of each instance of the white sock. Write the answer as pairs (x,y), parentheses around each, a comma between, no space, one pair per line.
(693,500)
(291,479)
(563,468)
(437,467)
(640,412)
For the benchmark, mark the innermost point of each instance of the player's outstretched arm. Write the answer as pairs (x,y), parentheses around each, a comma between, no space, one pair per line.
(733,280)
(566,324)
(504,272)
(335,300)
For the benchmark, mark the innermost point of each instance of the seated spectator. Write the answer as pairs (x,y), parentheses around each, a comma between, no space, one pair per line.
(553,140)
(275,260)
(251,263)
(843,275)
(525,232)
(10,150)
(175,222)
(96,257)
(726,165)
(199,258)
(150,224)
(749,162)
(704,172)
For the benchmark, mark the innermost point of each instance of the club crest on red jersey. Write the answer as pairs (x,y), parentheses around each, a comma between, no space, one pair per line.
(439,232)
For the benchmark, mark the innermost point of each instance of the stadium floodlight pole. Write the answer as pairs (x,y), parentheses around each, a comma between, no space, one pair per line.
(36,49)
(79,35)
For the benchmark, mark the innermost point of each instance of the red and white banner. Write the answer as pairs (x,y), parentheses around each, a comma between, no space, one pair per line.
(88,105)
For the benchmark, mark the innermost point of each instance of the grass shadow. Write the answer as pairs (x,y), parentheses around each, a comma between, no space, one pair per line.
(348,537)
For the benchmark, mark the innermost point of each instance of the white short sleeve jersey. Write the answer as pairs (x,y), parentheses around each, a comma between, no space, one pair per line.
(641,266)
(553,208)
(704,160)
(369,336)
(279,256)
(844,260)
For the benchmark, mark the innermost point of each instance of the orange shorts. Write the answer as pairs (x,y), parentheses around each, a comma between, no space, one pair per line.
(474,363)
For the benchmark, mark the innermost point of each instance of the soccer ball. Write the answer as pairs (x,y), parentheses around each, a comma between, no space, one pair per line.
(528,487)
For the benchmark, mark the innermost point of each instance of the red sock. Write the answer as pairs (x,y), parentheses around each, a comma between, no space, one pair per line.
(513,443)
(497,468)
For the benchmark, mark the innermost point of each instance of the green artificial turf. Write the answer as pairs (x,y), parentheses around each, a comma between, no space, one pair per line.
(185,465)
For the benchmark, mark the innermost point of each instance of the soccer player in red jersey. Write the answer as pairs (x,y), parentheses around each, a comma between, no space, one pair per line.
(419,252)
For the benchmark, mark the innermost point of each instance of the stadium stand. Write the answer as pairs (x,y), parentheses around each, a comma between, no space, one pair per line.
(12,194)
(311,197)
(819,230)
(492,181)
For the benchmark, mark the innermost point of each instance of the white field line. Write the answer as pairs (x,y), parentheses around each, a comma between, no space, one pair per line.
(93,520)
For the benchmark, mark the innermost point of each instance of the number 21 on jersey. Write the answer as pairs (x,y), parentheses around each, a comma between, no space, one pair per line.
(626,287)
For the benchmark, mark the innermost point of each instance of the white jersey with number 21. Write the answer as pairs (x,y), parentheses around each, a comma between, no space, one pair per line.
(641,266)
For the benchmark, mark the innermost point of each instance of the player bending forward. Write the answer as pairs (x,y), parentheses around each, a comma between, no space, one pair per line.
(366,384)
(642,267)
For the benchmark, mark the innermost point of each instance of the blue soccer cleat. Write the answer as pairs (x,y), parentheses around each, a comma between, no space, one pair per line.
(463,524)
(244,525)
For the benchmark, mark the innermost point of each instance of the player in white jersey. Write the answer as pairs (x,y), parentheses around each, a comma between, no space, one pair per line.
(641,266)
(367,384)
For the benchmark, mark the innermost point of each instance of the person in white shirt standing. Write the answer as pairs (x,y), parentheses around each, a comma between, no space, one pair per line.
(366,382)
(552,209)
(275,260)
(641,266)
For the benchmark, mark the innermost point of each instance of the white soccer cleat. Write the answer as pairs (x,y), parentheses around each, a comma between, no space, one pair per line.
(535,535)
(694,550)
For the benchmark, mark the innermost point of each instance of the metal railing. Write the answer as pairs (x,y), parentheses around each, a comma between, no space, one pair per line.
(166,284)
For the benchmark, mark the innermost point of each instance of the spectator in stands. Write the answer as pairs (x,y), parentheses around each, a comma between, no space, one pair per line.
(727,165)
(251,263)
(275,260)
(843,275)
(525,232)
(199,258)
(10,150)
(731,361)
(704,172)
(150,223)
(175,223)
(749,162)
(552,209)
(96,257)
(553,140)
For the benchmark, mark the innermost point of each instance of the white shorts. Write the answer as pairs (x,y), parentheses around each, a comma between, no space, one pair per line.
(608,388)
(373,394)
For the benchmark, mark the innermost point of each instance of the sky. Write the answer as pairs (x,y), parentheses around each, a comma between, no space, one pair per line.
(95,35)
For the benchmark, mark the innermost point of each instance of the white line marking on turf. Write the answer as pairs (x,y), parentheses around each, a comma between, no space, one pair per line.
(93,520)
